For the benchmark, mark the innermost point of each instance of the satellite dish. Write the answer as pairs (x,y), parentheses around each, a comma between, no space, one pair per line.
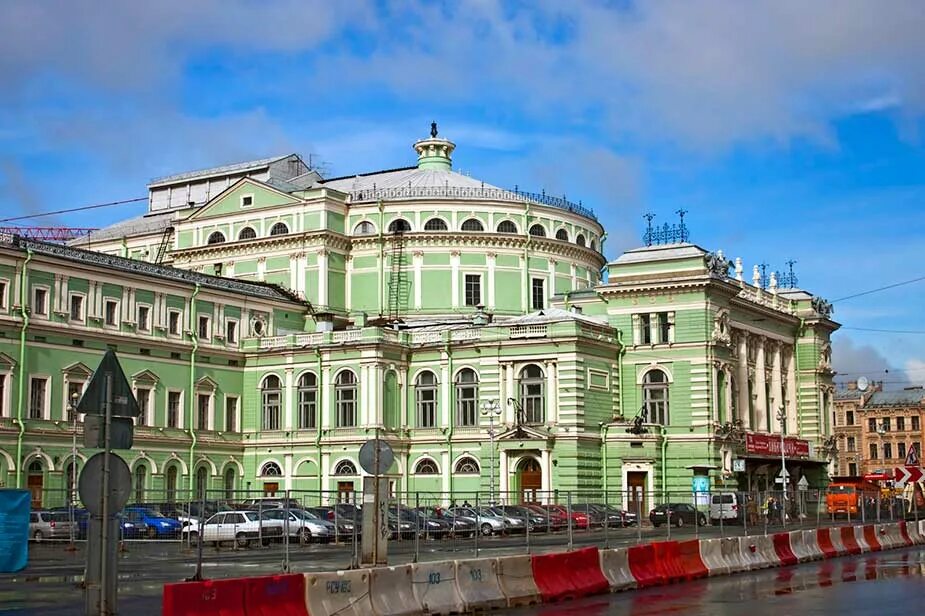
(863,383)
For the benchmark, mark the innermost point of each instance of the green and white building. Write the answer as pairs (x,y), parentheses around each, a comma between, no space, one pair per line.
(271,321)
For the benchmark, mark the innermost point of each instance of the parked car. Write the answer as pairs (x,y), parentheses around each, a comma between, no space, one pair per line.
(533,520)
(461,526)
(49,525)
(726,506)
(677,514)
(346,527)
(131,526)
(400,528)
(158,525)
(244,528)
(511,523)
(269,502)
(303,525)
(579,519)
(555,519)
(615,517)
(175,511)
(628,517)
(596,517)
(488,523)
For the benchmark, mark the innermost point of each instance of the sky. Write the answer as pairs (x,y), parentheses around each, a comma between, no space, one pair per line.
(788,130)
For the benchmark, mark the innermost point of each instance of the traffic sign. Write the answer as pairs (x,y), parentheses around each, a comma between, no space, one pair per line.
(90,484)
(903,474)
(912,458)
(93,401)
(376,456)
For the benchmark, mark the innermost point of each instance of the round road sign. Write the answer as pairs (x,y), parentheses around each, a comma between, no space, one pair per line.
(369,459)
(90,484)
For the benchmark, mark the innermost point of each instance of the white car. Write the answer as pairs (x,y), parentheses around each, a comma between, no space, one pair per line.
(303,525)
(488,523)
(241,527)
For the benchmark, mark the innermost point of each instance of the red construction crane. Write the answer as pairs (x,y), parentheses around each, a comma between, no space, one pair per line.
(49,234)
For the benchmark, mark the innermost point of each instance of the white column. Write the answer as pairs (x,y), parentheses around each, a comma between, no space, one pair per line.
(366,385)
(792,410)
(501,471)
(551,284)
(322,277)
(742,379)
(445,381)
(418,265)
(375,386)
(348,299)
(524,284)
(653,327)
(287,471)
(454,282)
(327,398)
(511,392)
(229,269)
(546,473)
(727,392)
(325,470)
(261,268)
(761,401)
(445,464)
(294,271)
(552,393)
(777,391)
(287,401)
(490,297)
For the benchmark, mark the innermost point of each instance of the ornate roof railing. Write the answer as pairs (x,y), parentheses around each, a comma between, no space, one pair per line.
(471,192)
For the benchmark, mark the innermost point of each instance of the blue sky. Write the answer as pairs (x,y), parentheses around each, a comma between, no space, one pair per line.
(788,130)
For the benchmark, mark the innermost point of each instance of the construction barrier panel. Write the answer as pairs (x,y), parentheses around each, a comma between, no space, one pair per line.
(644,567)
(569,575)
(435,587)
(895,533)
(206,598)
(515,576)
(765,547)
(667,556)
(729,548)
(616,568)
(921,531)
(691,562)
(749,554)
(391,591)
(826,545)
(811,543)
(345,593)
(885,536)
(798,545)
(904,532)
(477,582)
(871,539)
(711,553)
(849,540)
(784,549)
(275,595)
(860,539)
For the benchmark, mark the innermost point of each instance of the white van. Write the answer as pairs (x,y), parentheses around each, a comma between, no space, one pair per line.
(726,506)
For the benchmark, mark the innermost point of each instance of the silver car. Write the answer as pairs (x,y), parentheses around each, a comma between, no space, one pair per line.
(488,523)
(303,525)
(49,525)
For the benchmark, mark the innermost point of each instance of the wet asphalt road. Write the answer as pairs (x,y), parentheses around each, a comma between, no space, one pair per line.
(49,585)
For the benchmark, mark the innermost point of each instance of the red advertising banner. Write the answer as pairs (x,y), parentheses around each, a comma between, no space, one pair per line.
(768,445)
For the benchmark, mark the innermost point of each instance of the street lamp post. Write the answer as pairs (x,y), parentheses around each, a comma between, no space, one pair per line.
(491,409)
(782,418)
(75,397)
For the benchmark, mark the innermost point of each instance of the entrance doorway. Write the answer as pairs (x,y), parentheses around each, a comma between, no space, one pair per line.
(636,484)
(35,482)
(530,480)
(344,491)
(270,488)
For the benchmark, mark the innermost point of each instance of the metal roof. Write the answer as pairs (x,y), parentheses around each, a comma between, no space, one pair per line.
(222,170)
(140,225)
(661,252)
(905,397)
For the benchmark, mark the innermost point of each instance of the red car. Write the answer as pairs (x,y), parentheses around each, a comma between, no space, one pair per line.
(579,519)
(557,519)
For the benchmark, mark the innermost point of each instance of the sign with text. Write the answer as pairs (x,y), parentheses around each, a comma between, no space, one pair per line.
(768,445)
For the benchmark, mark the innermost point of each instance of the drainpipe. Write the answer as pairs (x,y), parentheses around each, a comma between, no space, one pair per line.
(320,406)
(527,295)
(192,382)
(604,427)
(381,261)
(23,311)
(664,462)
(796,373)
(620,353)
(449,432)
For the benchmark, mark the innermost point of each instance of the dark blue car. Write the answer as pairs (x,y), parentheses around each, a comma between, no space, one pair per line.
(158,525)
(131,526)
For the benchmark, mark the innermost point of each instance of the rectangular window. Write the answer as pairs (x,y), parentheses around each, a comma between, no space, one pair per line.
(917,446)
(887,451)
(473,289)
(2,395)
(308,403)
(849,418)
(466,403)
(144,318)
(271,409)
(231,414)
(38,391)
(346,402)
(111,312)
(202,411)
(538,294)
(427,406)
(231,332)
(901,424)
(851,443)
(247,200)
(645,329)
(173,409)
(143,396)
(3,288)
(40,301)
(70,400)
(77,308)
(901,450)
(203,329)
(871,425)
(873,451)
(664,328)
(852,469)
(915,423)
(886,424)
(173,322)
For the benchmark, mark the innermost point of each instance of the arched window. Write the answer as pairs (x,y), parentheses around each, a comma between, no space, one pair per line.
(345,390)
(506,226)
(562,234)
(364,228)
(279,228)
(271,394)
(229,484)
(655,396)
(473,224)
(345,467)
(216,237)
(399,225)
(580,239)
(467,466)
(35,467)
(247,233)
(141,475)
(308,401)
(271,469)
(425,399)
(172,483)
(426,467)
(435,224)
(202,482)
(593,245)
(467,396)
(533,394)
(537,231)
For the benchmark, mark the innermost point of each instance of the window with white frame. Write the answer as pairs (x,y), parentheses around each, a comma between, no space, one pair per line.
(655,397)
(364,228)
(203,330)
(473,289)
(111,313)
(279,228)
(644,334)
(345,467)
(247,200)
(73,387)
(538,293)
(38,397)
(174,321)
(40,301)
(4,286)
(533,394)
(203,408)
(467,466)
(664,328)
(425,399)
(231,414)
(143,396)
(271,469)
(271,397)
(143,322)
(467,396)
(308,401)
(345,398)
(231,331)
(174,402)
(77,307)
(3,391)
(426,466)
(247,233)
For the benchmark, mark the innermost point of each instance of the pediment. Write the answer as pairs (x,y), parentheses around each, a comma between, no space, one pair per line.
(6,362)
(524,433)
(78,371)
(228,202)
(145,376)
(206,384)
